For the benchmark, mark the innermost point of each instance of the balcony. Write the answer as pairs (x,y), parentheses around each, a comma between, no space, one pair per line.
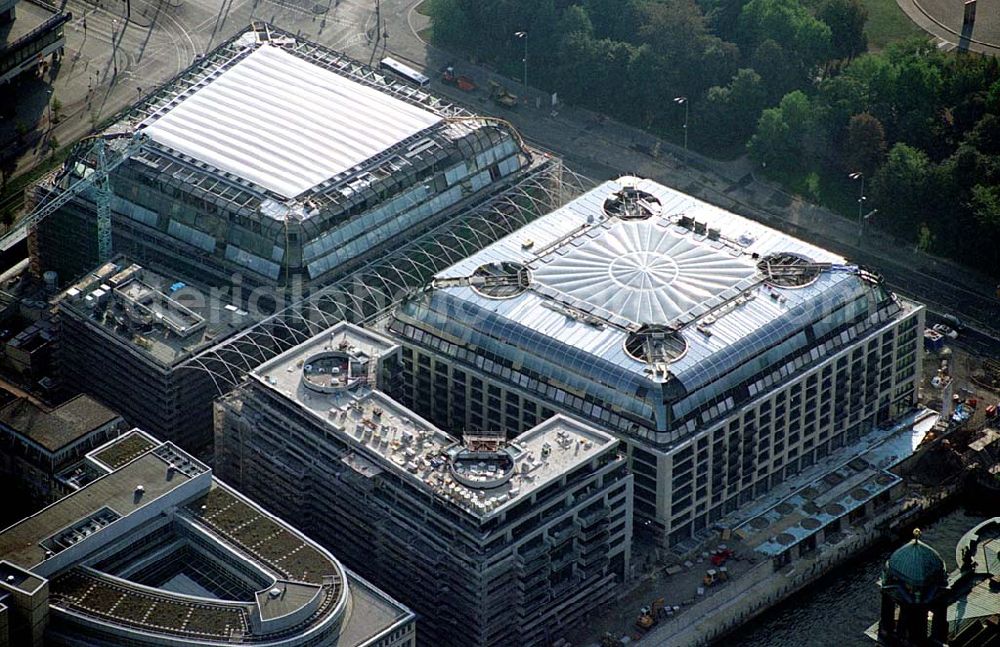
(529,554)
(559,537)
(591,517)
(593,534)
(534,566)
(564,560)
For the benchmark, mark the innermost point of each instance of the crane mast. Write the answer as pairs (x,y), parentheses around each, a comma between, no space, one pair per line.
(98,179)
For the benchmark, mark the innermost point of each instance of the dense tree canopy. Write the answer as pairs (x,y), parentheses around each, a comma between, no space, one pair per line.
(788,79)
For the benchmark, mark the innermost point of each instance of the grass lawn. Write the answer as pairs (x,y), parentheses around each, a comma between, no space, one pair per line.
(887,23)
(427,35)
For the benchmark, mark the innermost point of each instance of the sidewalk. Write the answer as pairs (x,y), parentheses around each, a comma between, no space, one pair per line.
(607,150)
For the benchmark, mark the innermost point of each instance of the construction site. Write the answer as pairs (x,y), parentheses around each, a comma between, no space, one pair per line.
(212,178)
(276,227)
(494,541)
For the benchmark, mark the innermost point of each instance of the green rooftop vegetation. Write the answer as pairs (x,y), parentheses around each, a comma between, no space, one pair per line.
(262,537)
(89,594)
(127,448)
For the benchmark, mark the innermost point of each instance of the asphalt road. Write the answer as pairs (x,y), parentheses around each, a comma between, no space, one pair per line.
(945,20)
(111,62)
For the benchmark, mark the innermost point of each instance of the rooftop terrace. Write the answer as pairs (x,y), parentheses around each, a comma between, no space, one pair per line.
(481,474)
(163,317)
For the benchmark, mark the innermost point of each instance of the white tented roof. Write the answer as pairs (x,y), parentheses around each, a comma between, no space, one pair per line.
(285,124)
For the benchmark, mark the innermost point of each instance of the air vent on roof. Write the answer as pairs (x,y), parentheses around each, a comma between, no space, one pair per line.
(500,280)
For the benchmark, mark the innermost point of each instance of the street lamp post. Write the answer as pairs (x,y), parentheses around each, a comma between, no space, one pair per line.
(523,35)
(684,101)
(49,94)
(858,175)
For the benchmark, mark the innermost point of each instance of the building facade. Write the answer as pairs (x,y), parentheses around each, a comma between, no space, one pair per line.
(727,356)
(492,541)
(321,185)
(144,324)
(282,162)
(41,445)
(156,551)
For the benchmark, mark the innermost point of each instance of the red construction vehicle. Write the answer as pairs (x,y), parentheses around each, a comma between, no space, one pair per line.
(461,81)
(721,556)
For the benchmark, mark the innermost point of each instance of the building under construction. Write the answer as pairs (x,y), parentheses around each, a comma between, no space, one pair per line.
(493,541)
(277,161)
(338,190)
(123,330)
(727,356)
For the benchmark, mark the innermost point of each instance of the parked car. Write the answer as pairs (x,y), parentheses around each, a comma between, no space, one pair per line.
(947,331)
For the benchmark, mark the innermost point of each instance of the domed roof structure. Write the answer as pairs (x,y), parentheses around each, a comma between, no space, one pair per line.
(915,573)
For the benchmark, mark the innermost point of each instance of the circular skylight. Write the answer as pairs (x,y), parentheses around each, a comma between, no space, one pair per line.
(643,272)
(500,280)
(788,270)
(655,344)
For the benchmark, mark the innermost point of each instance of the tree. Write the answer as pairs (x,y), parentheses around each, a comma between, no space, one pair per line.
(450,22)
(780,73)
(986,135)
(615,19)
(56,108)
(993,98)
(791,25)
(925,239)
(787,134)
(846,20)
(734,109)
(575,20)
(985,205)
(899,186)
(865,146)
(771,144)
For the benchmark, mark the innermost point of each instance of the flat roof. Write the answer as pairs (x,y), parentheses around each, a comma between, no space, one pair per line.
(369,613)
(60,426)
(21,544)
(284,123)
(28,16)
(165,317)
(386,435)
(299,585)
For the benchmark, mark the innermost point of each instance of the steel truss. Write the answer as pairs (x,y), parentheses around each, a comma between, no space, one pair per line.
(371,291)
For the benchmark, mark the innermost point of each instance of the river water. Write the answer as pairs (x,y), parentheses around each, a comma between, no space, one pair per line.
(836,610)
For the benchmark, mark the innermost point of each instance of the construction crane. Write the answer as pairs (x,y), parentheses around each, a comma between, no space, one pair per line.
(98,178)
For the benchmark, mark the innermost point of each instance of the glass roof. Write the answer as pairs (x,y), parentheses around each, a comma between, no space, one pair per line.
(644,272)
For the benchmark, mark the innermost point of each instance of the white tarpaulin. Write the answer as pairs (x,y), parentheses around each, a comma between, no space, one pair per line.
(285,124)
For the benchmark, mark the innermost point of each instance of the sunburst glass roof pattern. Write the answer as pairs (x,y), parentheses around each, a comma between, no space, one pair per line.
(644,272)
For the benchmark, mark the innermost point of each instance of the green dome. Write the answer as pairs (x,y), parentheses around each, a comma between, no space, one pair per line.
(915,573)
